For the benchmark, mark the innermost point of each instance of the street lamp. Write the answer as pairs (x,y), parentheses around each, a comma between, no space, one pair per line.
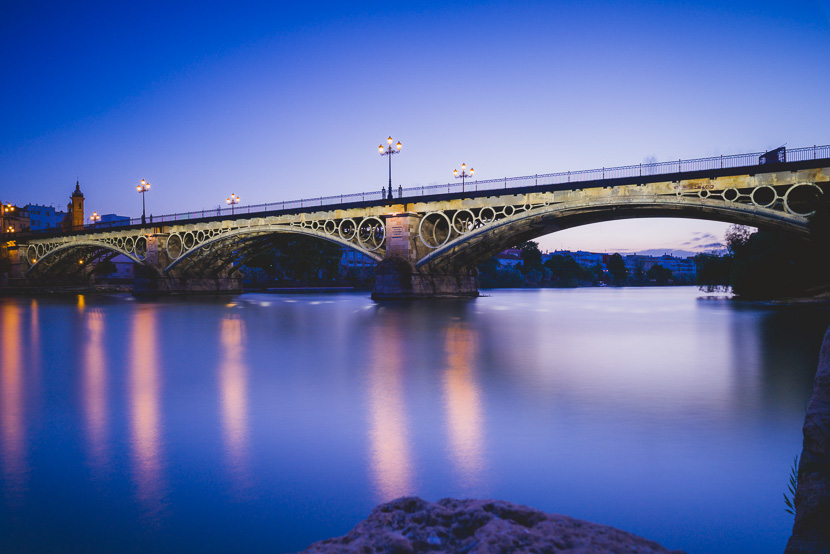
(388,151)
(233,200)
(463,174)
(94,218)
(142,188)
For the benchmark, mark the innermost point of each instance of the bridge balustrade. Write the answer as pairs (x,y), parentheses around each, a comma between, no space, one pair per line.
(501,184)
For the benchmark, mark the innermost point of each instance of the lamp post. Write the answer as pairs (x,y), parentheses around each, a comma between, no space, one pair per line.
(233,200)
(463,174)
(142,188)
(388,151)
(94,218)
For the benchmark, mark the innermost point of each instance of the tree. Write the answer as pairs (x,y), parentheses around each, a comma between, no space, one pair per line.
(531,256)
(736,237)
(660,274)
(564,271)
(616,267)
(713,272)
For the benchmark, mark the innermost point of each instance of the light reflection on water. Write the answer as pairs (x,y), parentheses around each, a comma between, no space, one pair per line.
(267,422)
(145,411)
(12,425)
(233,385)
(95,391)
(389,428)
(464,417)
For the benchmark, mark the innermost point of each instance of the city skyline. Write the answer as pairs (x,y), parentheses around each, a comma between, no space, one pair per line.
(278,103)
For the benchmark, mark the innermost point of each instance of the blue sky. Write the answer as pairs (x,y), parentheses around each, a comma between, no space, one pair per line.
(284,101)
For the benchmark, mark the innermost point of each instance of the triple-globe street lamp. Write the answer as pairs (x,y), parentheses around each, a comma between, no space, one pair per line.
(389,151)
(142,188)
(94,218)
(463,175)
(233,200)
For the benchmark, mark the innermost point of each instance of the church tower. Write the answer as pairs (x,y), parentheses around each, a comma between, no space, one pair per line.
(75,208)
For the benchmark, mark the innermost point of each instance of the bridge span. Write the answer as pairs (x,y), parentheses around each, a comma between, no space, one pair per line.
(427,240)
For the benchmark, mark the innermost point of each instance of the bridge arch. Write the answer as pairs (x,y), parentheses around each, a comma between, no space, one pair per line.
(41,258)
(479,243)
(237,244)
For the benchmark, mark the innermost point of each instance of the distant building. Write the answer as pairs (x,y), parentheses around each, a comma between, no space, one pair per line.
(112,220)
(13,219)
(680,267)
(510,257)
(44,217)
(355,260)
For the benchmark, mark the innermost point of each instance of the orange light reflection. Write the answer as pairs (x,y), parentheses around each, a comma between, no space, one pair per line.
(234,394)
(144,410)
(461,397)
(12,428)
(95,389)
(389,433)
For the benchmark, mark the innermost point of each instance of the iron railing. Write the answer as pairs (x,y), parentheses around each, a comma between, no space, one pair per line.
(503,184)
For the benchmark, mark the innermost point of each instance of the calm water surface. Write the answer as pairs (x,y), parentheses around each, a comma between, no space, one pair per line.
(266,422)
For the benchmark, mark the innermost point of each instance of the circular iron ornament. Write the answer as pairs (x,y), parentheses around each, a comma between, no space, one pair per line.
(347,229)
(141,247)
(509,210)
(119,243)
(487,215)
(330,227)
(315,225)
(175,241)
(807,197)
(200,236)
(188,241)
(40,249)
(703,193)
(129,244)
(440,225)
(371,233)
(463,221)
(731,194)
(758,194)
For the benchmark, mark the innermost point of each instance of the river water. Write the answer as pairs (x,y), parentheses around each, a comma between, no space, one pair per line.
(267,422)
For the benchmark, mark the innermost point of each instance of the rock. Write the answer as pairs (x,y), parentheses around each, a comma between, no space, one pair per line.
(811,530)
(411,524)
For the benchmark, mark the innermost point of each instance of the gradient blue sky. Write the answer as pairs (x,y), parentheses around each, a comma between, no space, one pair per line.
(279,101)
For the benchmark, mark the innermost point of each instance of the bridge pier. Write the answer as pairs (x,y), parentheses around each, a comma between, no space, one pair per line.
(397,277)
(151,281)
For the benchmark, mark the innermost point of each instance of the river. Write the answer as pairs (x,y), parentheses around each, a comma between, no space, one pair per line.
(266,422)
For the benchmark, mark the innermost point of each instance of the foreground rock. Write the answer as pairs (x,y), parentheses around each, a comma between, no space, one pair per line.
(410,524)
(811,530)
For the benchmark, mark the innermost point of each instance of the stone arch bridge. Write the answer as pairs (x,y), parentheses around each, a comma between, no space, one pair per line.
(428,240)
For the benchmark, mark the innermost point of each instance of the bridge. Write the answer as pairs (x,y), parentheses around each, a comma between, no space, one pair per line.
(427,240)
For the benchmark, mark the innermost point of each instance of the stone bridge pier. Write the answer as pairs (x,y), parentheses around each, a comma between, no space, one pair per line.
(399,276)
(151,279)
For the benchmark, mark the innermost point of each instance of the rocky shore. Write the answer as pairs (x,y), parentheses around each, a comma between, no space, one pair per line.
(811,530)
(411,524)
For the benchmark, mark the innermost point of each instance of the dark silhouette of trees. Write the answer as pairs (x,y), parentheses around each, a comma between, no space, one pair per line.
(661,275)
(713,272)
(531,256)
(617,269)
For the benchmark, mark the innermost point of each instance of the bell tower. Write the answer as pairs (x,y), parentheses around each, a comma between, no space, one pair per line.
(77,207)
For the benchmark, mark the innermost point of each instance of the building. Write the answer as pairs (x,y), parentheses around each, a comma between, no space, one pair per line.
(74,218)
(352,259)
(44,217)
(112,220)
(510,257)
(14,219)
